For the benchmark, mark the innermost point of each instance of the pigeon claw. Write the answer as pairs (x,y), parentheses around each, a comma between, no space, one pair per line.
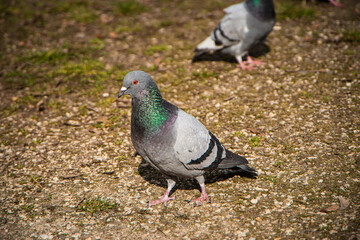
(249,63)
(254,62)
(164,199)
(244,67)
(336,4)
(199,201)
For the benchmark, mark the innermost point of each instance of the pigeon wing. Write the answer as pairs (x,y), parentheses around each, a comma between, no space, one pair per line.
(232,28)
(195,147)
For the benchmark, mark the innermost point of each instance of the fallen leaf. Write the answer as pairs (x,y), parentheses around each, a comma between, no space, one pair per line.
(344,203)
(102,119)
(104,18)
(113,35)
(72,123)
(254,130)
(157,61)
(332,208)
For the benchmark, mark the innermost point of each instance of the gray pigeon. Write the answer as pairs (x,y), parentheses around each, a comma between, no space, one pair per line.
(172,141)
(245,25)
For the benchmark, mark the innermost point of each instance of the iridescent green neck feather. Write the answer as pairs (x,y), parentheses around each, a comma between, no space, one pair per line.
(149,111)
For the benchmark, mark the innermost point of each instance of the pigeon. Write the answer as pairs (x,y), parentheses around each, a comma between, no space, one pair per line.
(245,25)
(172,141)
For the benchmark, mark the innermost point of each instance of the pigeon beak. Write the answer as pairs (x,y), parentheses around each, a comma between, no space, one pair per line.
(122,91)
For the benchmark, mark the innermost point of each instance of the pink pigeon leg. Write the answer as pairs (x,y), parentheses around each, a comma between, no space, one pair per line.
(199,201)
(335,3)
(203,196)
(165,198)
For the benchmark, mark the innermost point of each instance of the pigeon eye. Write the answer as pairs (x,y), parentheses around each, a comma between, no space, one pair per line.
(135,82)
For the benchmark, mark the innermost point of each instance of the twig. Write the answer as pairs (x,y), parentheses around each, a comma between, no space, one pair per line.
(58,83)
(123,106)
(161,231)
(81,201)
(316,70)
(40,94)
(229,98)
(91,109)
(70,177)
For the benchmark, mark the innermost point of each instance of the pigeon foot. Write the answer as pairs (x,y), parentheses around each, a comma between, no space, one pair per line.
(199,201)
(244,67)
(249,63)
(164,199)
(204,197)
(254,62)
(336,4)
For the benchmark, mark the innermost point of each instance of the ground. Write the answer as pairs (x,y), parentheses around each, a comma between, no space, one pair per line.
(68,169)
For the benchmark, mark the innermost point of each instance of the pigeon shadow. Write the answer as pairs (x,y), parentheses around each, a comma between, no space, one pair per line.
(153,176)
(257,51)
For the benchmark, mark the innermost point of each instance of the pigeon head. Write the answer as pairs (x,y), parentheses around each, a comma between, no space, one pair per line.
(137,83)
(261,9)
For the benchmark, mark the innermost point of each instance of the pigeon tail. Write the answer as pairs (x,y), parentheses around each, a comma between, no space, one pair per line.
(247,169)
(208,45)
(233,160)
(198,55)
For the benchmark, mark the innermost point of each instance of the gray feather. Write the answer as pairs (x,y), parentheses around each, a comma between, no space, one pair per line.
(232,160)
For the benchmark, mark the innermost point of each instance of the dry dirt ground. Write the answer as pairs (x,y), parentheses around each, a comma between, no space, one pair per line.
(68,169)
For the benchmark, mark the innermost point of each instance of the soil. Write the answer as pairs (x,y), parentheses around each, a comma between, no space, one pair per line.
(68,169)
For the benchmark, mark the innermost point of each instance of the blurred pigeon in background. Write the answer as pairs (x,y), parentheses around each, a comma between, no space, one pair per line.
(245,25)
